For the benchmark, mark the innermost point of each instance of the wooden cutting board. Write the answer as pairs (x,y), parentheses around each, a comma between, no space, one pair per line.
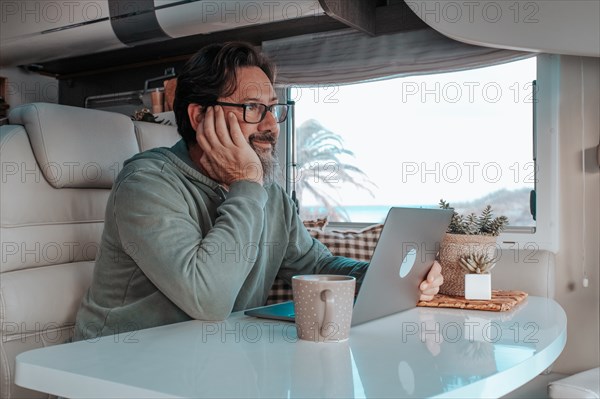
(501,301)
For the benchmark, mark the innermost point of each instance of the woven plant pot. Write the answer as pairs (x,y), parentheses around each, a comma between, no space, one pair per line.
(454,247)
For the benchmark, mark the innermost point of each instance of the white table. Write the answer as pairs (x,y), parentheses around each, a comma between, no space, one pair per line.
(423,352)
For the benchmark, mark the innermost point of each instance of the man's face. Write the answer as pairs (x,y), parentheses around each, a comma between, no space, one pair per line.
(253,86)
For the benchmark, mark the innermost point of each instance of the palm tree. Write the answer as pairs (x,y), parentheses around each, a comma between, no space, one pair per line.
(320,154)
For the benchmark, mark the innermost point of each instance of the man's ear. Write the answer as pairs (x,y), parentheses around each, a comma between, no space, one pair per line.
(195,114)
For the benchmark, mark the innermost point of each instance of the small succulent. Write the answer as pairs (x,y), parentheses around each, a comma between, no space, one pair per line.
(477,263)
(484,224)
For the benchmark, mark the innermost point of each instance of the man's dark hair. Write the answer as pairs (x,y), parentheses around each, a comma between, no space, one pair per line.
(210,74)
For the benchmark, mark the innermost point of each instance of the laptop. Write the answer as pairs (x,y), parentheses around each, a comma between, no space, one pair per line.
(405,251)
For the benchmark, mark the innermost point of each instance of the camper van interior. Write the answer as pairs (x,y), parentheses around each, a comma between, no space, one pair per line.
(391,103)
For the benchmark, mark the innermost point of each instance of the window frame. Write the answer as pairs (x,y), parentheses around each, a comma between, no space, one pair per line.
(545,235)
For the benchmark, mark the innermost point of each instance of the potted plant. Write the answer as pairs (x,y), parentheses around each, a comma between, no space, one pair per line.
(478,280)
(470,240)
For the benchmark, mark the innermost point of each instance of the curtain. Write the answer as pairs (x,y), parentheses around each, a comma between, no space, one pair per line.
(348,56)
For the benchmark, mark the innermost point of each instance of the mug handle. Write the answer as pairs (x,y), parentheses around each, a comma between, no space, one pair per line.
(329,299)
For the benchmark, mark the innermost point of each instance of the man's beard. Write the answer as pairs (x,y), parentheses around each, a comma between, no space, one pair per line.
(268,158)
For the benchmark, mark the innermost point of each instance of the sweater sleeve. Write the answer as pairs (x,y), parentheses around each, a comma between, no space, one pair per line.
(307,255)
(199,270)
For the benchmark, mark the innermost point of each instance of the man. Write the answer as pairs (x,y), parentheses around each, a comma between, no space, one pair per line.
(200,230)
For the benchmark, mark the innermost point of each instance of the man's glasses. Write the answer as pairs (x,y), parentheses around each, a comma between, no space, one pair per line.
(256,112)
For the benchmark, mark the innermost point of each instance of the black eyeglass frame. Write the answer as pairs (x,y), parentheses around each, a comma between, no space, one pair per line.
(268,108)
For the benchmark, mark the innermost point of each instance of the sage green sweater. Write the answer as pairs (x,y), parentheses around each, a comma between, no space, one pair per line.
(176,246)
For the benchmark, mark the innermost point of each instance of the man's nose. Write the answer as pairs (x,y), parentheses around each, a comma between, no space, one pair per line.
(269,123)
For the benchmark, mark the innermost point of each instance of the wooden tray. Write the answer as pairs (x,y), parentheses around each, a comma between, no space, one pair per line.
(501,301)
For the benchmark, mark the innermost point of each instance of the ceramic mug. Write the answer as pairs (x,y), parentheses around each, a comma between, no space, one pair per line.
(323,306)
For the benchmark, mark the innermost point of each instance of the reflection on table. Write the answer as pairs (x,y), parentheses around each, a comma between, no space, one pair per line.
(423,352)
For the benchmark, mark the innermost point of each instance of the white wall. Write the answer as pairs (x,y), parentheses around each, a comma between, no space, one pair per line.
(27,87)
(579,127)
(550,26)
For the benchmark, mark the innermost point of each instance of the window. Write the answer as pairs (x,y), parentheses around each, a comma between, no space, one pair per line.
(466,137)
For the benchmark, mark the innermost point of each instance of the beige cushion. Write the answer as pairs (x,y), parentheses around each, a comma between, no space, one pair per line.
(51,219)
(42,298)
(152,135)
(582,385)
(76,147)
(39,224)
(530,270)
(38,308)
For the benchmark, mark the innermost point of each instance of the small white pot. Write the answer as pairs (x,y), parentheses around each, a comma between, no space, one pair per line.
(478,286)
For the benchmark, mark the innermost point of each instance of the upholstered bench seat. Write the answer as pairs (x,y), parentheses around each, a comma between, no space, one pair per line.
(582,385)
(58,166)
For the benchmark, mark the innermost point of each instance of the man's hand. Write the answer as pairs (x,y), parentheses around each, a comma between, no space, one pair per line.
(431,285)
(226,155)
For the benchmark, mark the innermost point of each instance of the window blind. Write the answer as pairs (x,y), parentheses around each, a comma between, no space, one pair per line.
(348,56)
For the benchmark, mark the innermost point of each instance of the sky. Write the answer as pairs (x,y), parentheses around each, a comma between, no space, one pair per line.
(455,136)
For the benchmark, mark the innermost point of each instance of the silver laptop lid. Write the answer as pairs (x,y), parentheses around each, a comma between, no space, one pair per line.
(405,251)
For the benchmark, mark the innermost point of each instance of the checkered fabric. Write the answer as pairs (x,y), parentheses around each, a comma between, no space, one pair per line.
(280,292)
(318,224)
(357,245)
